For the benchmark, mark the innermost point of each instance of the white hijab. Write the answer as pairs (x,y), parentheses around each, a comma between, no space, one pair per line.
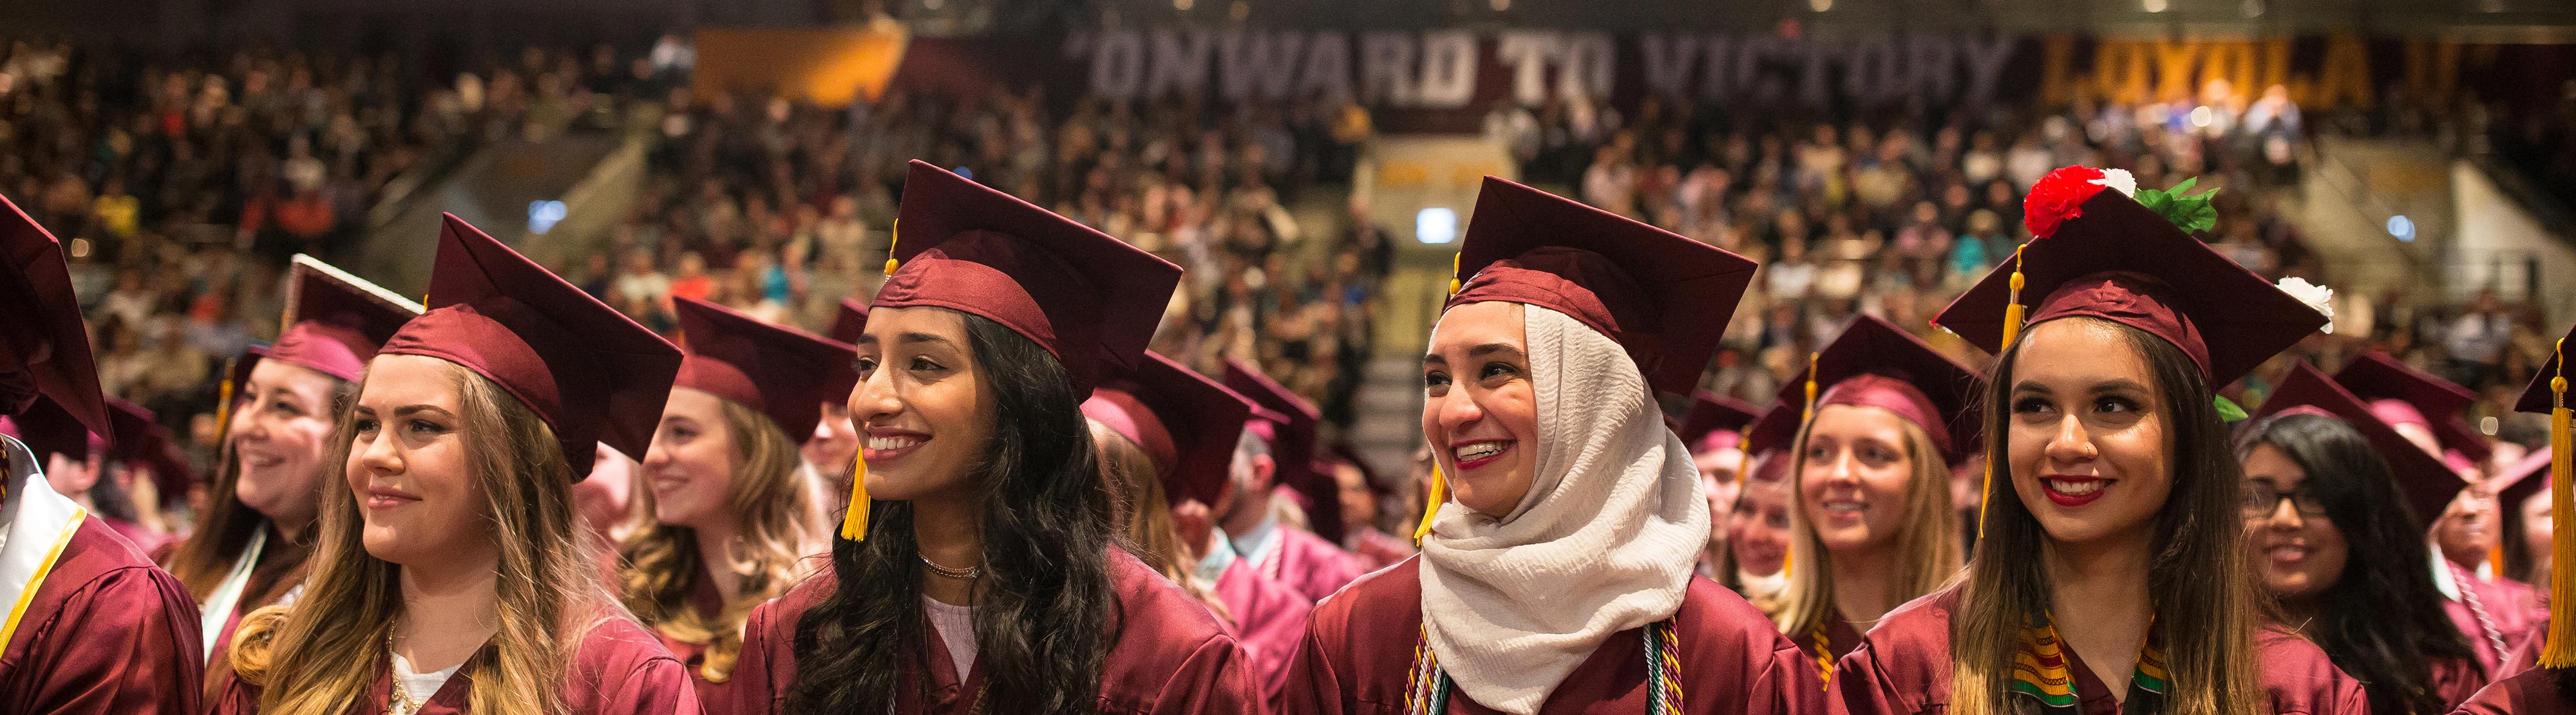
(1604,541)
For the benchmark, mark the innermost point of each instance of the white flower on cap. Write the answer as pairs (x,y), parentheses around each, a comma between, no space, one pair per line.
(2316,296)
(2119,179)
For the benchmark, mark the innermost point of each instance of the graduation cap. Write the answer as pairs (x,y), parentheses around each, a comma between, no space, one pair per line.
(2106,256)
(1089,299)
(142,440)
(2428,484)
(1662,296)
(776,371)
(1293,431)
(44,346)
(851,322)
(1186,423)
(2547,395)
(334,322)
(1872,363)
(1710,418)
(47,429)
(589,372)
(2401,394)
(2522,479)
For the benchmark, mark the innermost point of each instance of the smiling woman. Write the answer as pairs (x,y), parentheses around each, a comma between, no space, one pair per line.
(2111,578)
(449,571)
(1561,581)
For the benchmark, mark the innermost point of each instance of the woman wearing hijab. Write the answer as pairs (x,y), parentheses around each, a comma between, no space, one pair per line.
(734,519)
(249,548)
(976,569)
(2110,576)
(1873,526)
(93,628)
(450,573)
(2335,538)
(1559,579)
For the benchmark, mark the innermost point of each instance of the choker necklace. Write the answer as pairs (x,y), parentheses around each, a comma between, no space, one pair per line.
(969,573)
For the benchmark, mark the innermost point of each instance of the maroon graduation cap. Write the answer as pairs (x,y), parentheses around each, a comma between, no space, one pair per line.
(47,429)
(44,346)
(1664,297)
(2547,395)
(2522,479)
(2394,389)
(1873,363)
(776,371)
(1712,416)
(1187,423)
(1089,299)
(851,322)
(142,440)
(589,372)
(2428,484)
(1767,439)
(2108,257)
(1292,444)
(335,322)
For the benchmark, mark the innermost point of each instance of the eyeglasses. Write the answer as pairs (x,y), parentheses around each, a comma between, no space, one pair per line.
(2261,501)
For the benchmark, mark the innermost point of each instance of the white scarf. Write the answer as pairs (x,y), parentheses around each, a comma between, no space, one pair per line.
(1604,541)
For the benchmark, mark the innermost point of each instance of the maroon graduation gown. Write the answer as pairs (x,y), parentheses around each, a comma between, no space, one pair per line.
(1359,653)
(1903,668)
(1840,639)
(1308,563)
(107,632)
(1269,620)
(1377,549)
(2455,680)
(1171,657)
(709,604)
(2514,608)
(2533,692)
(618,669)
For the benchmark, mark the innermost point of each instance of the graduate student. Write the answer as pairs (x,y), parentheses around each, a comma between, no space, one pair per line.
(1556,573)
(1169,436)
(1281,452)
(2110,576)
(2522,490)
(1873,527)
(449,572)
(1753,560)
(2548,687)
(734,519)
(2334,534)
(286,401)
(94,628)
(2429,411)
(1713,428)
(975,569)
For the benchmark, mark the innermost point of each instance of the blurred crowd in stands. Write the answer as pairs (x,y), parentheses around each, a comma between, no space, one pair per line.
(183,186)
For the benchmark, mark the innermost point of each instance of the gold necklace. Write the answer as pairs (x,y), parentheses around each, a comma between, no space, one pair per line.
(400,703)
(967,574)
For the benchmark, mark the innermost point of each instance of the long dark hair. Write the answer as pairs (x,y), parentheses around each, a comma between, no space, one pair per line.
(2208,605)
(2382,619)
(1043,610)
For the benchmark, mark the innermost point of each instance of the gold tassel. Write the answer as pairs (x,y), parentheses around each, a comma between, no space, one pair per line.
(854,523)
(2012,329)
(224,402)
(894,233)
(1454,283)
(1810,414)
(2560,649)
(1440,494)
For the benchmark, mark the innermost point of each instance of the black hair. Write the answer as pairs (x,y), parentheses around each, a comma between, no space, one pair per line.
(1043,614)
(2382,619)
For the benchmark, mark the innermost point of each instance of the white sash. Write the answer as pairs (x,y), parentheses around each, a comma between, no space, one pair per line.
(220,604)
(35,525)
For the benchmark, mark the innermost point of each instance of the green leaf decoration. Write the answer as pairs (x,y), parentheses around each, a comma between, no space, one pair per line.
(2228,410)
(2189,213)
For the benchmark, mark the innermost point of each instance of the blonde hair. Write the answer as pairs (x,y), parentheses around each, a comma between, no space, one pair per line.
(1927,541)
(1143,514)
(779,528)
(322,654)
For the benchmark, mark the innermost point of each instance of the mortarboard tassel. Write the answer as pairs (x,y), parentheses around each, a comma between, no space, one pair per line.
(1440,493)
(1439,484)
(224,402)
(1810,414)
(2560,650)
(894,234)
(854,523)
(2012,329)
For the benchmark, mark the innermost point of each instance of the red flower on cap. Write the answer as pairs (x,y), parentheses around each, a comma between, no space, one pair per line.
(2057,197)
